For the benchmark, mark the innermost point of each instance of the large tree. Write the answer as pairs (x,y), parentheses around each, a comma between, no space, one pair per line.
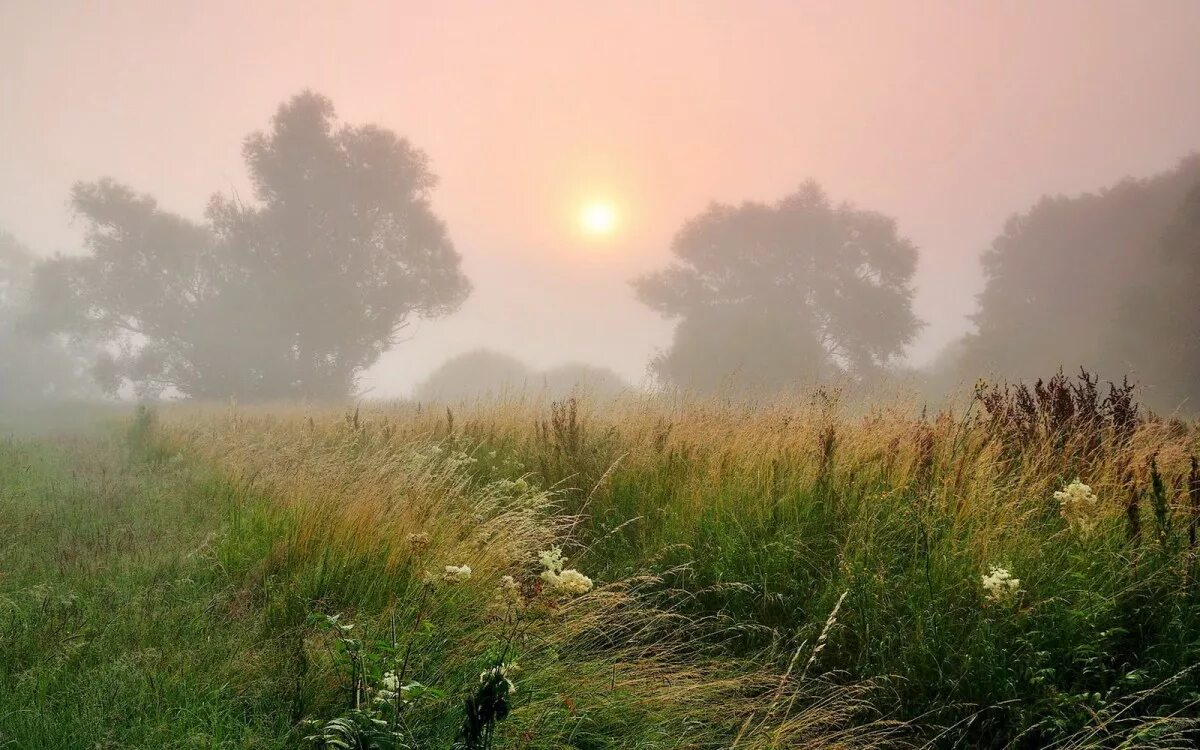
(1156,334)
(32,367)
(772,295)
(1059,279)
(290,295)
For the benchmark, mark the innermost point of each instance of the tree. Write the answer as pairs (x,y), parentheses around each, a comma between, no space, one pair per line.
(475,374)
(1057,275)
(291,295)
(483,373)
(32,367)
(1157,329)
(580,379)
(769,295)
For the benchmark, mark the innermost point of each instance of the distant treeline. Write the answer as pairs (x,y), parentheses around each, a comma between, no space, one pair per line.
(295,293)
(486,374)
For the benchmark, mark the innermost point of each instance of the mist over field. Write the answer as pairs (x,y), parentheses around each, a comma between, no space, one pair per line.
(963,126)
(387,375)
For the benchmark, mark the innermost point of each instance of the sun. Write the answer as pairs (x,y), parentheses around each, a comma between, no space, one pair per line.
(598,218)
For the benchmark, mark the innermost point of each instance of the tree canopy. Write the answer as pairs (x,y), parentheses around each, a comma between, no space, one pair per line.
(1157,330)
(290,295)
(1076,281)
(32,367)
(483,373)
(772,295)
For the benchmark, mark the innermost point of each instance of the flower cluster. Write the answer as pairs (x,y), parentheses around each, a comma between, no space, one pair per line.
(1079,506)
(389,688)
(503,673)
(552,559)
(457,573)
(570,581)
(1000,586)
(510,592)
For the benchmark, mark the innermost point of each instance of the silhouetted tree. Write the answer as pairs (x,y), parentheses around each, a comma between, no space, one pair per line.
(1157,330)
(474,374)
(487,374)
(580,379)
(769,295)
(291,295)
(32,367)
(1057,274)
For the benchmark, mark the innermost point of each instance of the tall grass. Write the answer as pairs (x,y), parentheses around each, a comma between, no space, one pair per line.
(724,537)
(352,515)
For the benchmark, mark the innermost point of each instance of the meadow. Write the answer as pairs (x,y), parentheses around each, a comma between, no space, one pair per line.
(1017,570)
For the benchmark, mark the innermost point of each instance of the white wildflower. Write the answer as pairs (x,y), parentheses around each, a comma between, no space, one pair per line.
(552,559)
(457,573)
(461,458)
(510,591)
(505,672)
(1000,586)
(570,582)
(1079,506)
(389,688)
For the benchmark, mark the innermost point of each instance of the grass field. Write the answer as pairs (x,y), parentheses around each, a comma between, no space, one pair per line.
(806,573)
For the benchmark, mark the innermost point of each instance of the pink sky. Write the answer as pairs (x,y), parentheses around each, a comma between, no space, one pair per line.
(947,116)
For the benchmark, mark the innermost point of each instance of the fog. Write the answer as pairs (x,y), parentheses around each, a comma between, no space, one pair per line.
(949,118)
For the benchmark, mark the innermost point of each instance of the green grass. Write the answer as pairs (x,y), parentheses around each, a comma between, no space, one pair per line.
(113,631)
(158,585)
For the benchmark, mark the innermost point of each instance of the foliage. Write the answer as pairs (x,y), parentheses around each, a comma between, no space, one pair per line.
(474,374)
(1156,317)
(291,295)
(763,518)
(782,294)
(1060,279)
(828,574)
(33,368)
(484,374)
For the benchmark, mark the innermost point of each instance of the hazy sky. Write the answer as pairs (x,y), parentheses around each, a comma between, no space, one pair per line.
(948,116)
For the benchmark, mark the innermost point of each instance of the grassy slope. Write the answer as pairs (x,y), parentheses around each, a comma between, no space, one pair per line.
(111,633)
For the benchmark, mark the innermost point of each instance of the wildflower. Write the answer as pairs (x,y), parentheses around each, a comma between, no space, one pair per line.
(457,573)
(389,688)
(510,591)
(461,458)
(570,582)
(419,541)
(1000,586)
(1079,506)
(334,622)
(503,673)
(552,559)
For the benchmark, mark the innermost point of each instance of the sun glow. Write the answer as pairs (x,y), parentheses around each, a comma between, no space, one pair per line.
(598,218)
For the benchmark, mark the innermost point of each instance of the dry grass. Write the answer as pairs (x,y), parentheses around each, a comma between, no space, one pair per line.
(724,536)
